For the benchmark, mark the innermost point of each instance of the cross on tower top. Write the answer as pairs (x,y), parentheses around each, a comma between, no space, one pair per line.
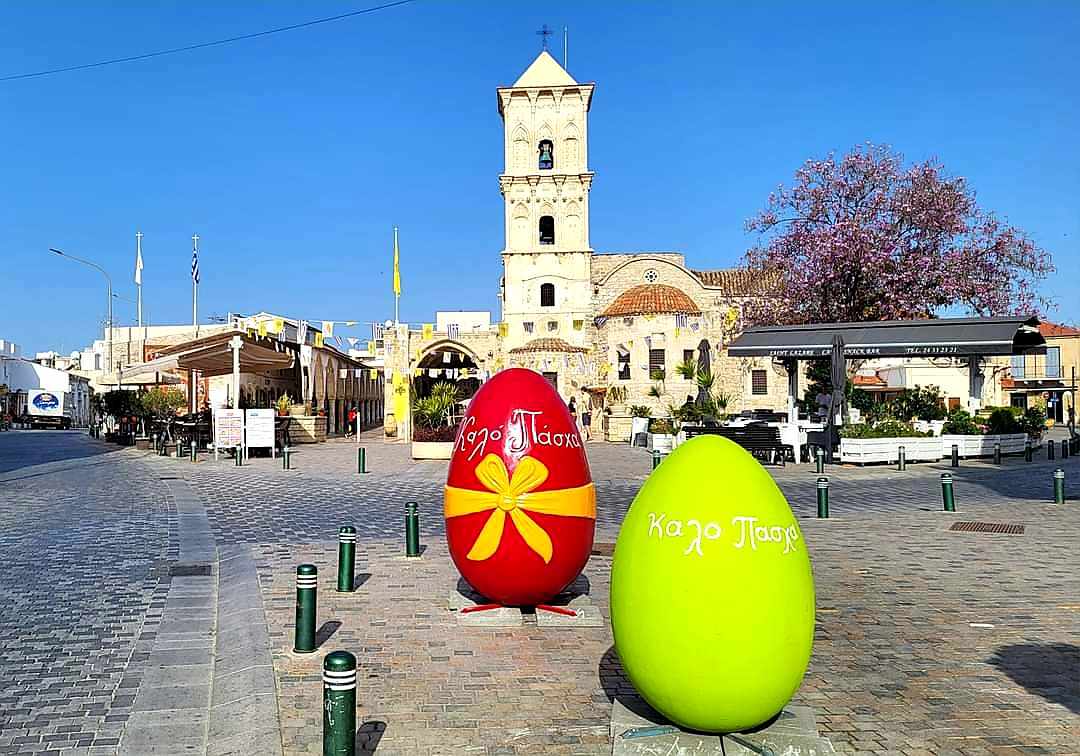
(544,33)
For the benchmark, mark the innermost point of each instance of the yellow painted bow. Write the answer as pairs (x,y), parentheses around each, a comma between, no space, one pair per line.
(516,496)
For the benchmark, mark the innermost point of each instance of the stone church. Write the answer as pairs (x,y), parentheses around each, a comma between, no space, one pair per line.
(588,321)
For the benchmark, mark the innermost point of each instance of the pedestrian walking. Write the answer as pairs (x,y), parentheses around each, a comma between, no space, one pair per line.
(573,411)
(350,427)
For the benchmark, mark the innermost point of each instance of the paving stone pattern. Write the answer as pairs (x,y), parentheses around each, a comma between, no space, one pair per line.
(84,532)
(928,641)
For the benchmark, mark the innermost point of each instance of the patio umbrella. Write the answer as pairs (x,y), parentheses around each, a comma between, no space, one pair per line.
(838,376)
(704,365)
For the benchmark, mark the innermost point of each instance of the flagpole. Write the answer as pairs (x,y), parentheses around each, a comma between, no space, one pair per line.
(138,256)
(397,279)
(195,284)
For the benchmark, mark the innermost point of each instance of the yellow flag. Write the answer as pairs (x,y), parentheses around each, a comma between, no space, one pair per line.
(318,340)
(328,328)
(504,329)
(427,331)
(262,329)
(371,347)
(397,267)
(373,374)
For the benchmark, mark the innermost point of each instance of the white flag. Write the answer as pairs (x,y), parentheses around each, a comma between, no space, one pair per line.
(138,266)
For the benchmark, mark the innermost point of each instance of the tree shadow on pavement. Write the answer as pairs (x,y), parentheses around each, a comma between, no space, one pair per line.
(1048,670)
(368,736)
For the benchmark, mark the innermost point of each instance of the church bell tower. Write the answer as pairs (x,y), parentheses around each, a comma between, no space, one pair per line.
(545,187)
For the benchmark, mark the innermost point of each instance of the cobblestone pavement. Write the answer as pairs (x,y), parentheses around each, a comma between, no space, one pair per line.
(928,641)
(83,529)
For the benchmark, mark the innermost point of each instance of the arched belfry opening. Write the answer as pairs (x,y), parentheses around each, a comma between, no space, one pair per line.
(547,155)
(547,229)
(547,295)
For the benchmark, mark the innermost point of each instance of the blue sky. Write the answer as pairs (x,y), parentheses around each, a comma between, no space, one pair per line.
(293,155)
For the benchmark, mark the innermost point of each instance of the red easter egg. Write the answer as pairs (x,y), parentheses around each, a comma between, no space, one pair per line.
(520,505)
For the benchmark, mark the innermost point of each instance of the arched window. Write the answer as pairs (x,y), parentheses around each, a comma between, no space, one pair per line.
(547,229)
(547,155)
(547,295)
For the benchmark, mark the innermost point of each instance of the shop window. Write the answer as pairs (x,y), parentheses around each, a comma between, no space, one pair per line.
(656,364)
(547,155)
(759,382)
(547,229)
(547,295)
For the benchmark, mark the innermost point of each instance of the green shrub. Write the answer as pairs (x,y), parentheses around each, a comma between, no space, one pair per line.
(919,403)
(1002,421)
(1033,422)
(661,425)
(961,423)
(640,410)
(884,429)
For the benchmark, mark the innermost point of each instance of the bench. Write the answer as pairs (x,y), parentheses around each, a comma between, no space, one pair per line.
(756,438)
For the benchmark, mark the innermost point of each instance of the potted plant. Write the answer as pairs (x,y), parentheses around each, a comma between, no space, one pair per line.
(283,404)
(433,431)
(661,435)
(862,442)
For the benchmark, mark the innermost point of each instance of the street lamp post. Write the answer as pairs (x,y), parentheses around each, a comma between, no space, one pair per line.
(109,299)
(132,301)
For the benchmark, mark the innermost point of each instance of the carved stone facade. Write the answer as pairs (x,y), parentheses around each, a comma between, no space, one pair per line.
(557,294)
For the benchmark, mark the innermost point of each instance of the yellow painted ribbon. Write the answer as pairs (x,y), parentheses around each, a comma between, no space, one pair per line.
(516,496)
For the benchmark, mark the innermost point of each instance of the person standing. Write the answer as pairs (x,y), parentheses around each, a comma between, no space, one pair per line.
(586,419)
(573,411)
(350,426)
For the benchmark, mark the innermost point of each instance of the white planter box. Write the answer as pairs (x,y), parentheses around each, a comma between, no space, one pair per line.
(864,450)
(661,442)
(983,446)
(432,449)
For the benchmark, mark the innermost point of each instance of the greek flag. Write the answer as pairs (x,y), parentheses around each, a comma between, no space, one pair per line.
(452,330)
(195,265)
(680,320)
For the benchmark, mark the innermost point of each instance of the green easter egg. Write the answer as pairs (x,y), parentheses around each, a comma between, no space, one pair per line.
(712,596)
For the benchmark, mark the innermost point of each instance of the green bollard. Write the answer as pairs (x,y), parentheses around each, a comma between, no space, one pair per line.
(655,459)
(412,530)
(361,460)
(820,461)
(901,461)
(286,464)
(307,588)
(346,562)
(1050,449)
(955,455)
(194,452)
(239,457)
(339,704)
(1027,451)
(1059,486)
(947,492)
(997,454)
(823,498)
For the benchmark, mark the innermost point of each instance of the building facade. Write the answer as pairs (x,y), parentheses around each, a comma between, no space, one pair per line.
(588,321)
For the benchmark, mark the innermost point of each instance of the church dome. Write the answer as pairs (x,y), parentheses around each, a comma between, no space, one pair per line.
(547,345)
(651,299)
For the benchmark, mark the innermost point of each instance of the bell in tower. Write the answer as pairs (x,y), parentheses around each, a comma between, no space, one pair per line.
(547,156)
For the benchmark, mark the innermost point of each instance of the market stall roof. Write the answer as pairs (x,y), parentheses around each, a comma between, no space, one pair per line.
(213,356)
(956,337)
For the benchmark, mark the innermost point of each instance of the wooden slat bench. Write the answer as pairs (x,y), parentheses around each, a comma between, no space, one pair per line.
(757,438)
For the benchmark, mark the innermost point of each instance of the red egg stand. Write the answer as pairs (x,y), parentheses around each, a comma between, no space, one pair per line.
(519,502)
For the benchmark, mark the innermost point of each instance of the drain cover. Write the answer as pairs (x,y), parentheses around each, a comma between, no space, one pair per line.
(1007,528)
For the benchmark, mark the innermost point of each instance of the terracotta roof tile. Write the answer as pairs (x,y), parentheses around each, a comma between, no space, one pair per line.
(651,299)
(1053,329)
(547,345)
(734,281)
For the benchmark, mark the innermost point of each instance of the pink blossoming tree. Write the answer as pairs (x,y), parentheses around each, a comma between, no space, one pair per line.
(864,238)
